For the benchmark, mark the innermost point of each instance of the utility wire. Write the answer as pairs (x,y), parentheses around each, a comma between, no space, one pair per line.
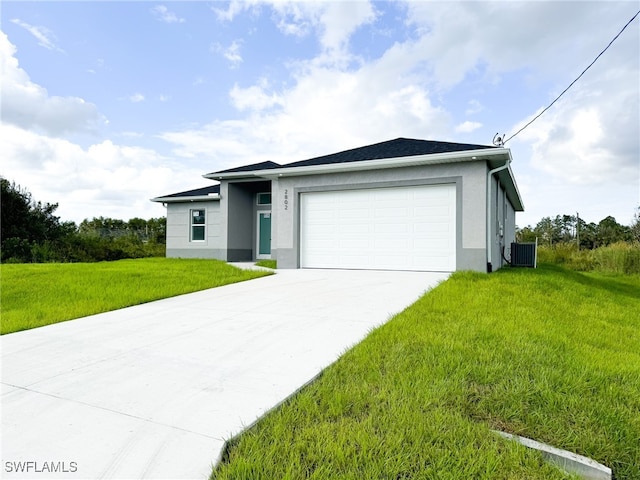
(578,78)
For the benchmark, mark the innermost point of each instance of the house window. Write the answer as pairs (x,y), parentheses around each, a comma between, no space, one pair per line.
(197,225)
(264,198)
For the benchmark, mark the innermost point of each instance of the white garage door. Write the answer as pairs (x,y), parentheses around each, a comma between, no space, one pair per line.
(405,228)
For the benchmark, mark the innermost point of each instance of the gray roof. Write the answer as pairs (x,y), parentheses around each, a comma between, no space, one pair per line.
(198,192)
(400,147)
(250,168)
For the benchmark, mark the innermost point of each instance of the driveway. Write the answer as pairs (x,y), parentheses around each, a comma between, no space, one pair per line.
(153,391)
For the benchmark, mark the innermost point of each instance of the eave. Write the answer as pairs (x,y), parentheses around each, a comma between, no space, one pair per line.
(194,198)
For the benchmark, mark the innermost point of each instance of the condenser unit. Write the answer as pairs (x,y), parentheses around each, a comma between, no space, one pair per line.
(524,254)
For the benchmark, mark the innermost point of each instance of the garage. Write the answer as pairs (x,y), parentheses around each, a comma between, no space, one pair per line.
(395,228)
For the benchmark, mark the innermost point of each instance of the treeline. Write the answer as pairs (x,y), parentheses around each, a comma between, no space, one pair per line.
(572,229)
(32,233)
(569,241)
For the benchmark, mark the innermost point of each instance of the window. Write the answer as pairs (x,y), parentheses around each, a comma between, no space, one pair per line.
(264,198)
(197,225)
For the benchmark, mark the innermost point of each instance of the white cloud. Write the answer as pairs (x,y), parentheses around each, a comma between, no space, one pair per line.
(231,53)
(327,109)
(234,8)
(254,97)
(333,22)
(104,179)
(136,98)
(164,98)
(474,107)
(45,37)
(457,38)
(590,135)
(467,127)
(28,105)
(163,14)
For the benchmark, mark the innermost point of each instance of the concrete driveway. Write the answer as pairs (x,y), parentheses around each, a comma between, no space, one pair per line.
(153,391)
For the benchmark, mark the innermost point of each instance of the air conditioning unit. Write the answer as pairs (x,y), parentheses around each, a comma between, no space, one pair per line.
(524,254)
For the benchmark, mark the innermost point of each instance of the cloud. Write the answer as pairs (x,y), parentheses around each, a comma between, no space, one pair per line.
(325,110)
(458,39)
(590,135)
(163,14)
(136,98)
(104,179)
(333,22)
(45,37)
(231,53)
(467,127)
(254,97)
(164,98)
(28,105)
(474,107)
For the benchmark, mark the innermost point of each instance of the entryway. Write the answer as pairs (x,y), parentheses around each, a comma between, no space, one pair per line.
(263,236)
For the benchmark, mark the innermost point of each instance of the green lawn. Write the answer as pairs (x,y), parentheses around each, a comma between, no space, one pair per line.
(267,263)
(34,295)
(548,354)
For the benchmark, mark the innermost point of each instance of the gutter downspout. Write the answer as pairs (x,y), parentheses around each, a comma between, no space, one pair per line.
(489,216)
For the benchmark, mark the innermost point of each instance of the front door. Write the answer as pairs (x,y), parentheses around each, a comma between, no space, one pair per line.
(264,235)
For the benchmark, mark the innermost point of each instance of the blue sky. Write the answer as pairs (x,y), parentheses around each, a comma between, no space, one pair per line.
(108,104)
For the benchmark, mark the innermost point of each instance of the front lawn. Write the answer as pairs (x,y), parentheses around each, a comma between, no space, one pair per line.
(34,295)
(548,354)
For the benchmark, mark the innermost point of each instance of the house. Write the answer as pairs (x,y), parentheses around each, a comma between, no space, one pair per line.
(402,204)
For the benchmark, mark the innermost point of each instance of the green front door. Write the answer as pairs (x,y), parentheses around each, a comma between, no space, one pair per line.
(264,234)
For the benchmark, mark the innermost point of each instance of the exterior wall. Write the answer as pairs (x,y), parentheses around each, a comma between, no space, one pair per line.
(240,204)
(510,228)
(470,180)
(179,235)
(502,226)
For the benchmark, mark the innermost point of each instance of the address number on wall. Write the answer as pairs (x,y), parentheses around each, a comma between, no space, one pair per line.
(286,199)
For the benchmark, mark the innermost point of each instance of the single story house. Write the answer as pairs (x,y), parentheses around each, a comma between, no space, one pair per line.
(402,204)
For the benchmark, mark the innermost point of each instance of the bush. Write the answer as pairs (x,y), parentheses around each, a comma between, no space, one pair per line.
(620,257)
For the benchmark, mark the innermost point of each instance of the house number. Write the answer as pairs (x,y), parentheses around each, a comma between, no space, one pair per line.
(286,199)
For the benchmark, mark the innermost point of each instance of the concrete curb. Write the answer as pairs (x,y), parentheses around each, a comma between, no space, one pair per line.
(576,464)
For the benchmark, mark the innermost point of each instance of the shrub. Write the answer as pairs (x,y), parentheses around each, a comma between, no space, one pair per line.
(620,257)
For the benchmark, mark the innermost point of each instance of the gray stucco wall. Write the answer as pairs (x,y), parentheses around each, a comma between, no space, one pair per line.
(231,221)
(470,180)
(178,231)
(502,226)
(240,219)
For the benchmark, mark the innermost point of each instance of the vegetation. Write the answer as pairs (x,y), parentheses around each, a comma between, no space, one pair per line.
(572,229)
(267,263)
(621,257)
(40,294)
(31,232)
(606,247)
(548,354)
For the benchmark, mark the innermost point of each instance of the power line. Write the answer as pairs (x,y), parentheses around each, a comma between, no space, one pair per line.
(578,78)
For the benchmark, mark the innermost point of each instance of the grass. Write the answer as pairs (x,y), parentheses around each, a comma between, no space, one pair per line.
(621,257)
(267,263)
(34,295)
(548,354)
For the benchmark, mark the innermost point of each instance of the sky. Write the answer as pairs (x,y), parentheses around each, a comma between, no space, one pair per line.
(105,105)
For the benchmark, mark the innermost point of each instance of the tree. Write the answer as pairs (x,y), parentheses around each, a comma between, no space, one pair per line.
(526,234)
(635,225)
(609,231)
(25,222)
